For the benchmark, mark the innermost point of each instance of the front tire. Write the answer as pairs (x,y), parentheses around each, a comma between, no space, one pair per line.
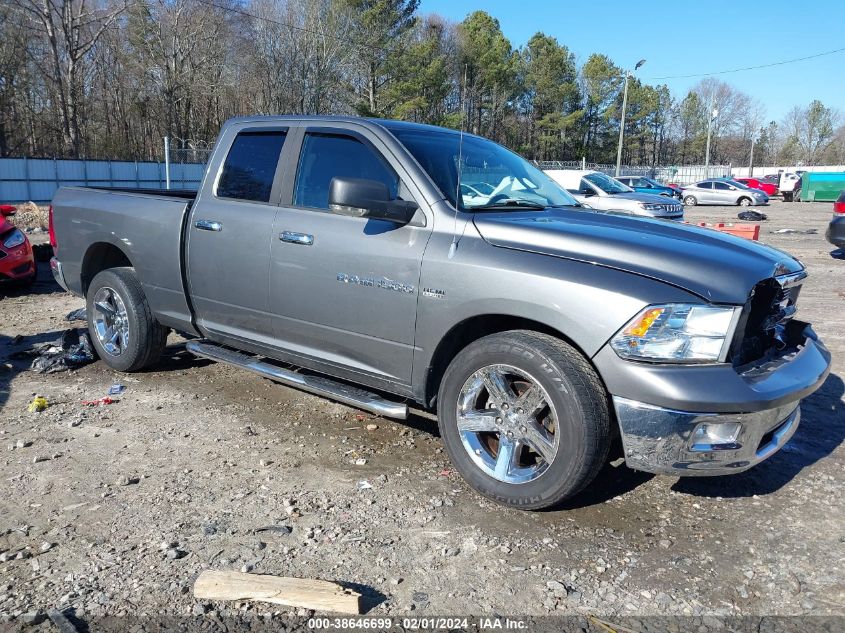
(744,202)
(690,201)
(524,418)
(121,325)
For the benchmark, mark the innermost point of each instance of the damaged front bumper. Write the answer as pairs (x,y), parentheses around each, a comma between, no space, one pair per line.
(711,420)
(671,442)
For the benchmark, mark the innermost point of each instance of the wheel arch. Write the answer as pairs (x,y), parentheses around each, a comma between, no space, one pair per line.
(470,330)
(101,256)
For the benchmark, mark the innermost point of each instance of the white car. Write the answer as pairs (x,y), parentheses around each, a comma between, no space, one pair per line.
(599,191)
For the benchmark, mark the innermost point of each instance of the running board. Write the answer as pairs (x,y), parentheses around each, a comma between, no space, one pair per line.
(346,394)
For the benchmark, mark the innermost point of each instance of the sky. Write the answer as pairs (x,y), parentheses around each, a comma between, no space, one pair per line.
(691,37)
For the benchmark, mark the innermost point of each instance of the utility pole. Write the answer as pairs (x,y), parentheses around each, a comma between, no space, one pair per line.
(628,74)
(712,113)
(751,159)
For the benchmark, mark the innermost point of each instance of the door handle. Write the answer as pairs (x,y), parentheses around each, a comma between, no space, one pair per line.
(209,225)
(303,239)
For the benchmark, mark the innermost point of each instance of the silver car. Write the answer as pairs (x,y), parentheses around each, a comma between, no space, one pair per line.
(722,191)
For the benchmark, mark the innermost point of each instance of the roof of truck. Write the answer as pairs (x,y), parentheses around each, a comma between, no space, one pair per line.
(389,124)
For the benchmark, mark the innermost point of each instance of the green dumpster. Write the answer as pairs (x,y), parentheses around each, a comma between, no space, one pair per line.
(822,186)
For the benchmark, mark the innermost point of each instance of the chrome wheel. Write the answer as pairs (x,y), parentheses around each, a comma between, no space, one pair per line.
(110,321)
(507,424)
(744,202)
(690,201)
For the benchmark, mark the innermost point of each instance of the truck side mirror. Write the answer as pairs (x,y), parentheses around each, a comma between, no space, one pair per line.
(362,198)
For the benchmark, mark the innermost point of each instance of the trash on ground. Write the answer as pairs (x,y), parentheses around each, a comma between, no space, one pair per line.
(275,529)
(39,403)
(71,351)
(77,315)
(61,622)
(117,389)
(752,216)
(363,485)
(319,595)
(785,231)
(100,402)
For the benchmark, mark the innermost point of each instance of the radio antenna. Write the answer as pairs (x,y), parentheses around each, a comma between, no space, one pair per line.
(454,246)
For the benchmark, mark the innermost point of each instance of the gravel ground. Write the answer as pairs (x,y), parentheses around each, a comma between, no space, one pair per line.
(114,510)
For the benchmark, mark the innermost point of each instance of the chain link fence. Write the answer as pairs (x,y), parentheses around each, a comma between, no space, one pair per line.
(678,174)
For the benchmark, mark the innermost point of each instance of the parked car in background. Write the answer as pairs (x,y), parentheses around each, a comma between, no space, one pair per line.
(599,191)
(722,191)
(836,229)
(649,185)
(769,188)
(17,263)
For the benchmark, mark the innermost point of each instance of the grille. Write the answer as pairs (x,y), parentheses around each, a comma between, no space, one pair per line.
(762,330)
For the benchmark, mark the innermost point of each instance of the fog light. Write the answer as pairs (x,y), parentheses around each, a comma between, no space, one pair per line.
(716,436)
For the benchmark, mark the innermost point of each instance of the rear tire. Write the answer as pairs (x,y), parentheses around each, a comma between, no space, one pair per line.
(539,433)
(121,325)
(690,201)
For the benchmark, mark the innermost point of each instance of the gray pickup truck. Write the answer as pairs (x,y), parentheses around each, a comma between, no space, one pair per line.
(382,263)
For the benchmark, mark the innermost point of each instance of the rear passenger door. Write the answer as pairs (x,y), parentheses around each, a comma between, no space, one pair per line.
(229,236)
(343,290)
(704,192)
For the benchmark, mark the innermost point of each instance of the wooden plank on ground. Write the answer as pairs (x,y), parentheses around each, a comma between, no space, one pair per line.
(319,595)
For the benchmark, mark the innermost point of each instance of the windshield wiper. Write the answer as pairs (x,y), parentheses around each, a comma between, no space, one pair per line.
(505,204)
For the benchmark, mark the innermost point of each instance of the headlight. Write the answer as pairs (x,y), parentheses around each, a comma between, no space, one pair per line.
(15,238)
(678,332)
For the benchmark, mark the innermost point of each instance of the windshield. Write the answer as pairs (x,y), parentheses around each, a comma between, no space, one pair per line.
(491,176)
(653,183)
(607,184)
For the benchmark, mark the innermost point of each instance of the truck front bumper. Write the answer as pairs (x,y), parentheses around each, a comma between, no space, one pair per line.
(672,442)
(690,420)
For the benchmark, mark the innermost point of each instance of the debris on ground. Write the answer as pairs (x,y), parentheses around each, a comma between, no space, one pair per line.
(275,529)
(77,315)
(60,620)
(70,351)
(752,216)
(363,485)
(305,593)
(100,402)
(38,404)
(117,389)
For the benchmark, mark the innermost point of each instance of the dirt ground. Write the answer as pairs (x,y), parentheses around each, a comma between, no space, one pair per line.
(114,510)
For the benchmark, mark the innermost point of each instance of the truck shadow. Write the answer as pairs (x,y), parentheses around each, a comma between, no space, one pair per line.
(821,431)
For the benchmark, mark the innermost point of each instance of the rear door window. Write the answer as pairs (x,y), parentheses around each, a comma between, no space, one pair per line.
(250,165)
(705,185)
(326,156)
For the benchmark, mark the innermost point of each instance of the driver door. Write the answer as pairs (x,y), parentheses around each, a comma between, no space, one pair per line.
(343,289)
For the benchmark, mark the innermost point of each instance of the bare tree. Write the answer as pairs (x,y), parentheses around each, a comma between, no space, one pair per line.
(70,29)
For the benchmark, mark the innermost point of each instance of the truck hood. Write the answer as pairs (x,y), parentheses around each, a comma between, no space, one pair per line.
(718,267)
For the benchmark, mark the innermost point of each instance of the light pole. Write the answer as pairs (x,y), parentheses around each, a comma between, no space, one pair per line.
(711,116)
(622,124)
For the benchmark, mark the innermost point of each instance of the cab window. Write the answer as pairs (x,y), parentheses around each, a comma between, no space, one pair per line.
(250,165)
(326,156)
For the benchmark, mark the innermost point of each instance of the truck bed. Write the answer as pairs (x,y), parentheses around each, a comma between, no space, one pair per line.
(144,226)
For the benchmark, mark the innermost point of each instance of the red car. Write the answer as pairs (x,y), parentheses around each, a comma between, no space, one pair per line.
(16,260)
(770,189)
